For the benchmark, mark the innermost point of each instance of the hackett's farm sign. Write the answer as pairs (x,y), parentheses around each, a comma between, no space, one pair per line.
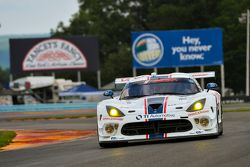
(54,54)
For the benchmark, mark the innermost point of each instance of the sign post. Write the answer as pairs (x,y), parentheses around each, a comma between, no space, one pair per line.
(247,59)
(155,70)
(202,79)
(79,76)
(245,18)
(11,77)
(99,79)
(134,72)
(53,74)
(222,80)
(177,69)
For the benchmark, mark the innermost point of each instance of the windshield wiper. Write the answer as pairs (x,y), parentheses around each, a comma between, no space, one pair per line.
(132,97)
(170,93)
(190,93)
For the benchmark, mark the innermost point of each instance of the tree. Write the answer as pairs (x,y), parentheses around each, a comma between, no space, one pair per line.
(112,21)
(4,76)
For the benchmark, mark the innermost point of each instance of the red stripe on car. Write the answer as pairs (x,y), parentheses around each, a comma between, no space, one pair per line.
(165,107)
(146,112)
(165,111)
(145,108)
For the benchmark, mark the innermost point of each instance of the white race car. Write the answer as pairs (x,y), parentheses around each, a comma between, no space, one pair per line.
(160,107)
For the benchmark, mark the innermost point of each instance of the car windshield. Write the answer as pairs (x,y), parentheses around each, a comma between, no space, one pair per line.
(169,86)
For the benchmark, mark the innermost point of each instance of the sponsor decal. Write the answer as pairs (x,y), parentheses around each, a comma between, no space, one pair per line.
(155,116)
(182,98)
(113,118)
(164,80)
(139,117)
(54,54)
(116,138)
(125,79)
(148,49)
(199,132)
(198,112)
(113,138)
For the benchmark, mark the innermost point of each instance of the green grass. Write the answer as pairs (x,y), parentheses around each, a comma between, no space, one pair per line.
(6,137)
(237,110)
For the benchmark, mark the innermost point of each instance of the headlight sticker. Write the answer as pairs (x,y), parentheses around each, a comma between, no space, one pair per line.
(198,112)
(112,118)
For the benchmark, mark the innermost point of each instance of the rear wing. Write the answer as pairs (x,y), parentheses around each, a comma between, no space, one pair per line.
(209,74)
(132,79)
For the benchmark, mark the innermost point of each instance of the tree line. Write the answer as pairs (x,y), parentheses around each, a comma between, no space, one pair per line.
(112,22)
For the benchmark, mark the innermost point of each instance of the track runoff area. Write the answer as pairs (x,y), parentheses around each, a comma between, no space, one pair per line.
(231,149)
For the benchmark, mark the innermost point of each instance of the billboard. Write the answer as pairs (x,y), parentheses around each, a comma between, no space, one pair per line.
(182,48)
(51,54)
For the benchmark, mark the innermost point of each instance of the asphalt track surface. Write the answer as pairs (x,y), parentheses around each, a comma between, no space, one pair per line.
(231,149)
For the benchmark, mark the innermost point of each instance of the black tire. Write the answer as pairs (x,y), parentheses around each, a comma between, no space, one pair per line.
(113,144)
(220,125)
(221,129)
(106,145)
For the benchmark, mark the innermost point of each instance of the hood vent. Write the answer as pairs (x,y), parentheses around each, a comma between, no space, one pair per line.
(155,106)
(130,111)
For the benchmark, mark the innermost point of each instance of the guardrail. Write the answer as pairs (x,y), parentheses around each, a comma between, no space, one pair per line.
(235,99)
(47,107)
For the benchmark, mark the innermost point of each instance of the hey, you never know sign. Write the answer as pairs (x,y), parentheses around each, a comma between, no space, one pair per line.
(182,48)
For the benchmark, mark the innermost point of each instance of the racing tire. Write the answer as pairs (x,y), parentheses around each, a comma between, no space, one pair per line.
(220,125)
(221,129)
(113,144)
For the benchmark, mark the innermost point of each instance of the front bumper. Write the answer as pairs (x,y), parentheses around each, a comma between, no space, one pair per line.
(167,128)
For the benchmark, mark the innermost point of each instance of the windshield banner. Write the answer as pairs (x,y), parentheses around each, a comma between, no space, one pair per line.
(182,48)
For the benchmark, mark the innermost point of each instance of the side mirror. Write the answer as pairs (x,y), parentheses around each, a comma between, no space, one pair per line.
(109,93)
(212,86)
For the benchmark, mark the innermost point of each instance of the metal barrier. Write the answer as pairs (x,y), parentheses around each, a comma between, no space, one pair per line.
(47,107)
(235,99)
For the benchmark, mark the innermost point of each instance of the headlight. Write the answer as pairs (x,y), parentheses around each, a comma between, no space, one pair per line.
(114,112)
(204,122)
(109,129)
(198,105)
